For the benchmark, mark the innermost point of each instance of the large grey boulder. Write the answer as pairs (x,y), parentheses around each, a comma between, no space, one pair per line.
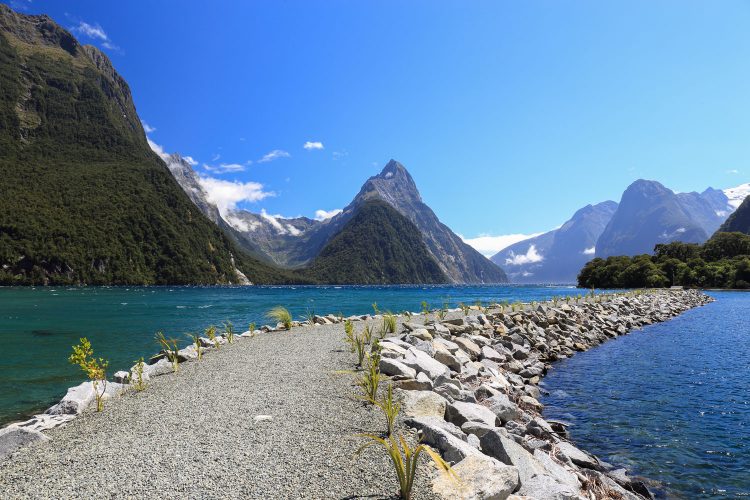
(42,422)
(161,367)
(447,438)
(479,478)
(75,400)
(12,439)
(536,480)
(459,413)
(422,362)
(396,368)
(421,403)
(469,347)
(503,407)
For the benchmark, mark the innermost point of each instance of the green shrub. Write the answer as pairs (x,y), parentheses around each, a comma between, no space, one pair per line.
(211,334)
(196,339)
(95,369)
(229,331)
(138,383)
(389,323)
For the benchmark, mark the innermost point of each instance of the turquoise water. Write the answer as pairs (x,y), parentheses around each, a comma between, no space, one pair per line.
(670,402)
(38,326)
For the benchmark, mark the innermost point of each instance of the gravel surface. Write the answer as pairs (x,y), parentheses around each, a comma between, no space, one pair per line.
(193,434)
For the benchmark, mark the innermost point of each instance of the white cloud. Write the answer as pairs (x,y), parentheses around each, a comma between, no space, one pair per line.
(489,245)
(531,256)
(326,214)
(191,161)
(589,251)
(733,171)
(157,149)
(91,31)
(680,230)
(274,155)
(227,194)
(224,168)
(241,225)
(313,145)
(148,128)
(284,228)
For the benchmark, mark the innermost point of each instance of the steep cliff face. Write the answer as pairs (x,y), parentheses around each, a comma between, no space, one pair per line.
(558,255)
(83,197)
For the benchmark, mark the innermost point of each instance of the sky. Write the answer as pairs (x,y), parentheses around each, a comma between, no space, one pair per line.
(509,115)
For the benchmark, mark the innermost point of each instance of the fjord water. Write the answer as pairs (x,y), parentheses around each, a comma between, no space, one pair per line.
(38,326)
(670,402)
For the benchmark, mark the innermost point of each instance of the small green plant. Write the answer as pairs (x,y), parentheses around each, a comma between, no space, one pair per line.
(375,308)
(138,383)
(310,317)
(464,308)
(196,338)
(425,307)
(229,331)
(390,408)
(251,329)
(405,460)
(367,334)
(443,311)
(360,347)
(349,332)
(94,368)
(370,379)
(211,334)
(169,346)
(281,315)
(389,323)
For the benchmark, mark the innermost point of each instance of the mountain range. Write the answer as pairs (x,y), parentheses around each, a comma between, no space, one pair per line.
(295,243)
(648,213)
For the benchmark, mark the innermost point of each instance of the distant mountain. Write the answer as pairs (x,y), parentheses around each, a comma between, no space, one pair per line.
(377,245)
(294,243)
(83,199)
(558,255)
(649,213)
(459,261)
(739,221)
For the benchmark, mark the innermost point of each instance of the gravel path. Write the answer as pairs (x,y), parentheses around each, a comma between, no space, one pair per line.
(193,434)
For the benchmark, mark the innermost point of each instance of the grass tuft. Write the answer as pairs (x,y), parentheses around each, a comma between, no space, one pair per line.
(281,315)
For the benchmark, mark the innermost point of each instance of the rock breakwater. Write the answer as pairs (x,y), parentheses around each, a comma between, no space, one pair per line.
(470,386)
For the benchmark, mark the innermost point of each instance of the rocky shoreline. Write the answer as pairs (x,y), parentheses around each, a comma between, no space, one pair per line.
(468,382)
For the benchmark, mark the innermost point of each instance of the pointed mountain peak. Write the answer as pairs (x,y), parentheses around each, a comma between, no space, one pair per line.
(393,169)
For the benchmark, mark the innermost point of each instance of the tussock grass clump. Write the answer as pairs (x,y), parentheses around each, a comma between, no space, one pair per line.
(349,332)
(389,323)
(405,460)
(281,315)
(309,316)
(361,347)
(390,408)
(367,334)
(425,308)
(169,346)
(94,368)
(251,329)
(370,379)
(464,308)
(196,339)
(443,311)
(375,308)
(211,334)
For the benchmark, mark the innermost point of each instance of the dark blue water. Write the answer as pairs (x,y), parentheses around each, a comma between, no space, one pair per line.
(39,326)
(670,402)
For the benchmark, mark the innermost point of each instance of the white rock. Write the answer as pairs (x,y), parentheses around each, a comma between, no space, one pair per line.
(480,478)
(421,403)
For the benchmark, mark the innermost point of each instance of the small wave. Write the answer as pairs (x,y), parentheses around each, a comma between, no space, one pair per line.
(181,307)
(123,303)
(206,306)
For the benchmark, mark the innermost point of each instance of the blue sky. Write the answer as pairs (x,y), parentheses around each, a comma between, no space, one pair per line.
(509,115)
